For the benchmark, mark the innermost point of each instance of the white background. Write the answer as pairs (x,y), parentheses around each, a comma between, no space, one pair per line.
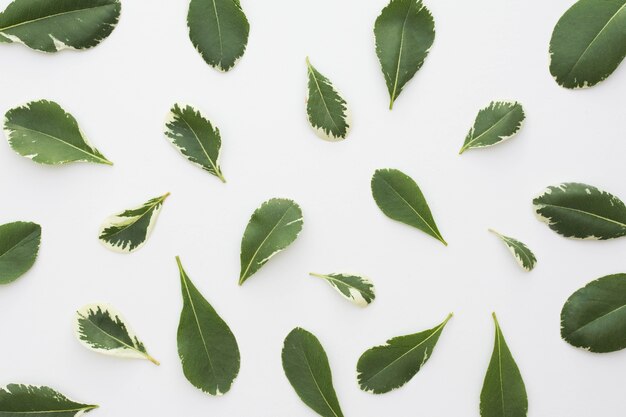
(120,93)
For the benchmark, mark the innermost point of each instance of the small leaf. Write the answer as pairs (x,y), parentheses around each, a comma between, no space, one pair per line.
(384,368)
(494,124)
(399,197)
(354,288)
(19,246)
(219,30)
(207,347)
(524,256)
(195,138)
(327,111)
(51,26)
(588,42)
(404,32)
(272,227)
(102,329)
(594,317)
(44,132)
(503,393)
(306,366)
(17,400)
(581,211)
(129,230)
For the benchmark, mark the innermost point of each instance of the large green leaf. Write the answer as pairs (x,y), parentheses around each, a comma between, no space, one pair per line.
(19,246)
(594,317)
(581,211)
(53,25)
(44,132)
(219,31)
(306,366)
(495,123)
(523,255)
(272,227)
(588,42)
(384,368)
(207,347)
(404,32)
(27,400)
(352,287)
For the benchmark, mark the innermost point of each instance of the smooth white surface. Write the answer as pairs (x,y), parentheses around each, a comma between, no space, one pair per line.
(121,91)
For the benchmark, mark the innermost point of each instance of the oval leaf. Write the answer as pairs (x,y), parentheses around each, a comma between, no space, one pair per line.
(19,246)
(129,230)
(404,32)
(594,317)
(272,227)
(524,256)
(495,123)
(51,26)
(390,366)
(399,197)
(503,393)
(354,288)
(195,138)
(207,348)
(581,211)
(17,400)
(588,42)
(101,328)
(327,111)
(306,366)
(44,132)
(219,31)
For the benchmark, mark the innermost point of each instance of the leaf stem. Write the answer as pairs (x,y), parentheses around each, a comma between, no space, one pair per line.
(153,360)
(313,274)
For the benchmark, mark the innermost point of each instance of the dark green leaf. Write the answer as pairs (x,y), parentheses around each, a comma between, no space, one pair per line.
(27,400)
(19,246)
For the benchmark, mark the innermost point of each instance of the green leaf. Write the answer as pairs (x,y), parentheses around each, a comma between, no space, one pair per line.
(207,347)
(21,400)
(129,230)
(195,138)
(44,132)
(524,256)
(594,317)
(399,197)
(219,31)
(19,246)
(384,368)
(581,211)
(588,42)
(355,288)
(101,328)
(494,124)
(503,393)
(51,26)
(306,366)
(404,32)
(327,111)
(272,227)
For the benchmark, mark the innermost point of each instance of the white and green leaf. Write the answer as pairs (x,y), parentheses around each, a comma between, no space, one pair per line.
(355,288)
(523,255)
(19,246)
(29,400)
(499,121)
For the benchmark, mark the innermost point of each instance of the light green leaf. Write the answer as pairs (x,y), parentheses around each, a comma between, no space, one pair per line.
(101,328)
(524,256)
(581,211)
(588,42)
(219,31)
(44,132)
(384,368)
(355,288)
(327,111)
(594,317)
(19,246)
(272,227)
(404,32)
(495,123)
(306,366)
(129,230)
(503,393)
(51,26)
(399,197)
(207,347)
(21,400)
(195,138)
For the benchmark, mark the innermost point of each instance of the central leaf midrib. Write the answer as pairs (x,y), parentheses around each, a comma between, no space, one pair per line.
(615,310)
(215,169)
(17,244)
(150,208)
(584,212)
(111,336)
(322,96)
(468,144)
(395,83)
(317,385)
(55,15)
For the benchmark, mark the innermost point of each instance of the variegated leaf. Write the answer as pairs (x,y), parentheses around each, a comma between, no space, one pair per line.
(524,256)
(499,121)
(19,246)
(355,288)
(29,400)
